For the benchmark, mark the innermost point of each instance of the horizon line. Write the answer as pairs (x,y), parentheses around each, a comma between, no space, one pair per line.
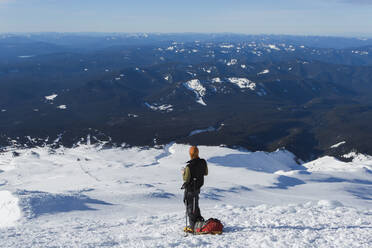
(356,36)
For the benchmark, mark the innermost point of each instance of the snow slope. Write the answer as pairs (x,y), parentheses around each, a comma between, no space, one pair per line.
(89,196)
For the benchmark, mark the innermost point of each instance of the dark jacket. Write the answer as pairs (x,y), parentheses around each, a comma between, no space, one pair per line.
(194,174)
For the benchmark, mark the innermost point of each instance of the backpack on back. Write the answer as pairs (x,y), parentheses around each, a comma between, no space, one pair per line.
(211,226)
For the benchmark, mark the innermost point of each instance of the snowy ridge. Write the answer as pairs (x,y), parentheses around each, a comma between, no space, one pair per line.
(94,197)
(199,90)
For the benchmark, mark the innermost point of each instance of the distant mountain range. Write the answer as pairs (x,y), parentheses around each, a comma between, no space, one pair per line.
(311,95)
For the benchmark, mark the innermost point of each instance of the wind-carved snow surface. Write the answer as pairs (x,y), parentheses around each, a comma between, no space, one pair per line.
(199,90)
(243,83)
(91,196)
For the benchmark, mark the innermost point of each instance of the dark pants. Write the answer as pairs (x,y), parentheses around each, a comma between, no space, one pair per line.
(191,200)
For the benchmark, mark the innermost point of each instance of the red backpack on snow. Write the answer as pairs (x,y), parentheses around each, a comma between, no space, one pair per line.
(211,226)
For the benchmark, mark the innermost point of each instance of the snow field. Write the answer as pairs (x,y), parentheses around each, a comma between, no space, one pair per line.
(302,225)
(89,196)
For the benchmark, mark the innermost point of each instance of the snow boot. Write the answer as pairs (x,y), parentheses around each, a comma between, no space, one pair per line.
(188,229)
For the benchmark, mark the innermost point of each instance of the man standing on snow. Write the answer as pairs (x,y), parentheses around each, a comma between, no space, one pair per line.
(193,177)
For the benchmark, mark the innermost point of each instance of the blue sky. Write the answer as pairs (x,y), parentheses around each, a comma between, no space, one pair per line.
(310,17)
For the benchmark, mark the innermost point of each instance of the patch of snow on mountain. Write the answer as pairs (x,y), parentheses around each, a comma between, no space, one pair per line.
(216,80)
(243,83)
(243,66)
(263,72)
(62,107)
(207,70)
(227,46)
(191,73)
(258,53)
(274,47)
(156,107)
(338,144)
(232,62)
(51,97)
(25,56)
(262,92)
(359,52)
(199,90)
(209,129)
(132,115)
(290,48)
